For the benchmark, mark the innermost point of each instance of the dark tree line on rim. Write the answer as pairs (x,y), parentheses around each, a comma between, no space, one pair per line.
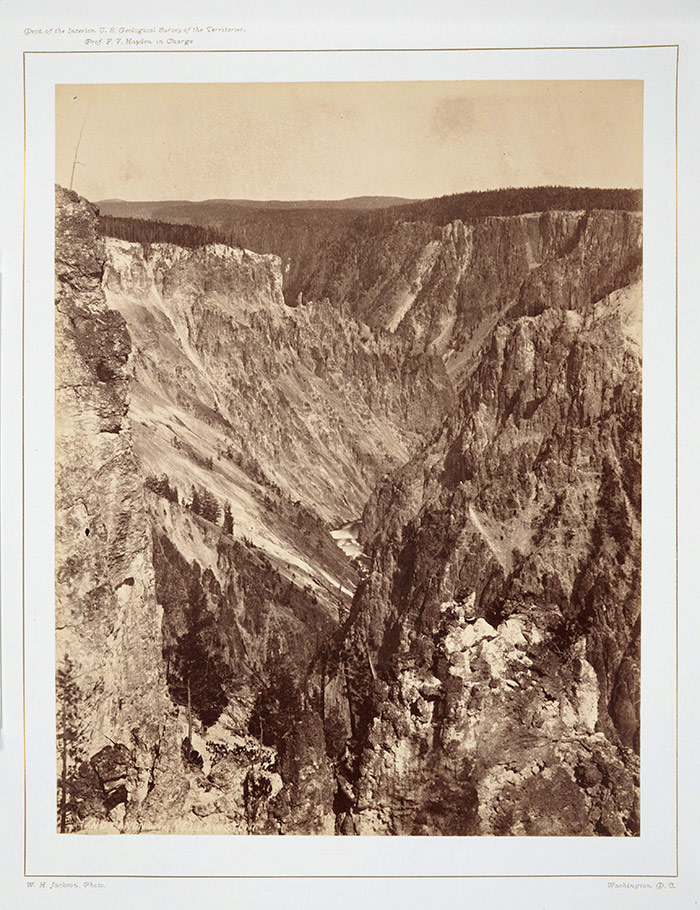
(141,230)
(503,202)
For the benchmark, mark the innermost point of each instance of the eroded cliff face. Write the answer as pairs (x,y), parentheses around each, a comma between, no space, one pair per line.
(320,402)
(498,633)
(473,390)
(118,748)
(182,650)
(444,287)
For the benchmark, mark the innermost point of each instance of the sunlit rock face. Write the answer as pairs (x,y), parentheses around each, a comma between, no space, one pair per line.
(321,403)
(462,661)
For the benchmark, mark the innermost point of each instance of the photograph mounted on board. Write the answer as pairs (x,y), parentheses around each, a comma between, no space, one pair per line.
(348,458)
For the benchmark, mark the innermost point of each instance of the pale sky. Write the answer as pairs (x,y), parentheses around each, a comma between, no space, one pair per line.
(332,140)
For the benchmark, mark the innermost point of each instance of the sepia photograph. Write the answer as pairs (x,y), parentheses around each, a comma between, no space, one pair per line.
(348,454)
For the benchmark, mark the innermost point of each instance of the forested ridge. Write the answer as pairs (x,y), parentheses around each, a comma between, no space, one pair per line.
(240,226)
(509,201)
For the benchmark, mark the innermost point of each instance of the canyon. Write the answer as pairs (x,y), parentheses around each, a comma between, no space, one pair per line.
(349,520)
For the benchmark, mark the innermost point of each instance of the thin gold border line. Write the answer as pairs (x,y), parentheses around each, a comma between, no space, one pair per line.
(355,50)
(309,51)
(24,243)
(678,51)
(284,877)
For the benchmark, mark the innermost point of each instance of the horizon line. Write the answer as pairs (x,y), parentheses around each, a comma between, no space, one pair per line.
(408,199)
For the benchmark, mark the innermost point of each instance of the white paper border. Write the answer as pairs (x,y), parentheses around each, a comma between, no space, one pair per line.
(651,854)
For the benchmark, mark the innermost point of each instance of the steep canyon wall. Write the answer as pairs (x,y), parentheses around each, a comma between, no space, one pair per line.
(473,391)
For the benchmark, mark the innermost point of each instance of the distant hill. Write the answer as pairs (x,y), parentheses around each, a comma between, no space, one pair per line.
(509,201)
(177,209)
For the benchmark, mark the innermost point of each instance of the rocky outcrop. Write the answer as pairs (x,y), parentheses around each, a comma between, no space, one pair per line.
(111,692)
(496,735)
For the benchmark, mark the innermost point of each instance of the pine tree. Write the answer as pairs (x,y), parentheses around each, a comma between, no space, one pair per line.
(228,520)
(211,510)
(278,706)
(68,734)
(196,674)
